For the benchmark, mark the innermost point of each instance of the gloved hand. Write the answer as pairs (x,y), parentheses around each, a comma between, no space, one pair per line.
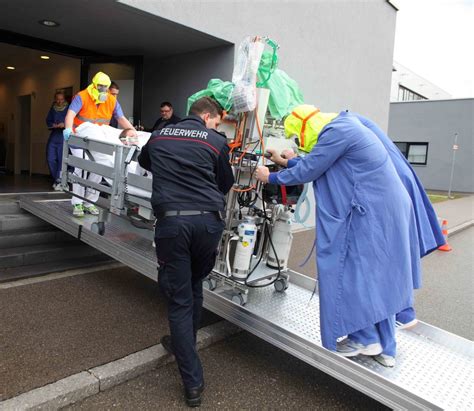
(67,133)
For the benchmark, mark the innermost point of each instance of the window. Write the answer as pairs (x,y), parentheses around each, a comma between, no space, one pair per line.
(415,153)
(405,94)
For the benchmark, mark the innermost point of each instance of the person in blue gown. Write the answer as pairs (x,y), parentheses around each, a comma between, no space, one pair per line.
(430,236)
(366,235)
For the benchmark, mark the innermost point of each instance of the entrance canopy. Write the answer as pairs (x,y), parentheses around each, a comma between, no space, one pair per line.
(100,27)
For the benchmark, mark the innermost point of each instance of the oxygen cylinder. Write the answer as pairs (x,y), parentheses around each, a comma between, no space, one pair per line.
(247,235)
(282,238)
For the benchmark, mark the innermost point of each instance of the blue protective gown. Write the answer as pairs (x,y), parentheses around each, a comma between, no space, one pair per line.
(54,148)
(430,235)
(366,235)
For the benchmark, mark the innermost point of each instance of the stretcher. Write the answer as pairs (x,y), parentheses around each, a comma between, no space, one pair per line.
(124,187)
(434,367)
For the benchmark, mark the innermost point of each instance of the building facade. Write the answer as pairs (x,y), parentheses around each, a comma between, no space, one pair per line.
(167,50)
(425,132)
(409,86)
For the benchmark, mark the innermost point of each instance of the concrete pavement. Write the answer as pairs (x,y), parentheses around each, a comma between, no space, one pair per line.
(457,212)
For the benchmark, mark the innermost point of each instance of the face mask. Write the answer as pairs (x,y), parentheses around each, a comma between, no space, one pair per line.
(102,96)
(102,93)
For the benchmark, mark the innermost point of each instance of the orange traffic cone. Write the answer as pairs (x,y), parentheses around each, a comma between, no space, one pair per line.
(444,229)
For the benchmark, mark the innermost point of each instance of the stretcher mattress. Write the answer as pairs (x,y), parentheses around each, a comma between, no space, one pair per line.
(107,134)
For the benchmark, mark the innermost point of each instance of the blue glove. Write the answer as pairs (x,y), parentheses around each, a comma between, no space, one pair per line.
(66,133)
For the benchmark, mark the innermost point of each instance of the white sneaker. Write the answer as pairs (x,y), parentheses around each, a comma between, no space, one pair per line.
(57,187)
(349,348)
(406,326)
(91,209)
(385,360)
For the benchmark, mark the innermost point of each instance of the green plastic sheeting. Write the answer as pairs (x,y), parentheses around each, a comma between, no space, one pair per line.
(219,90)
(284,91)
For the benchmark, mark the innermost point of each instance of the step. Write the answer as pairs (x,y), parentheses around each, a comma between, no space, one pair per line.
(35,270)
(20,221)
(10,207)
(42,253)
(28,236)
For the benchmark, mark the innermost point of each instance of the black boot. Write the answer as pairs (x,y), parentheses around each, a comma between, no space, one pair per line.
(193,396)
(166,343)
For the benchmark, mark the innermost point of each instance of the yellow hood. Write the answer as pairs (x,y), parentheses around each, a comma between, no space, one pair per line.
(102,79)
(306,121)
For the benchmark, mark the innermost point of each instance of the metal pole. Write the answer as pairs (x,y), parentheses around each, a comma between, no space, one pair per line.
(455,148)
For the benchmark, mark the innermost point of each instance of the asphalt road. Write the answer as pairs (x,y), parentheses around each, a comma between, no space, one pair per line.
(53,329)
(247,373)
(446,297)
(242,373)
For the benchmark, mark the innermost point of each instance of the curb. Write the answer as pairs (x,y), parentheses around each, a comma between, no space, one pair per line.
(60,274)
(79,386)
(56,395)
(460,227)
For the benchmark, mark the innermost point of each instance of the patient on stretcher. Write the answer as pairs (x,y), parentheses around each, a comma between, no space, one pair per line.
(107,134)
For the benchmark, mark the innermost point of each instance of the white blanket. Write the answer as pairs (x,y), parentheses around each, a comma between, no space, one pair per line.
(107,134)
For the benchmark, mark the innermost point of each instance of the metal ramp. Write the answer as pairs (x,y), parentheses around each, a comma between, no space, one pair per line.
(434,367)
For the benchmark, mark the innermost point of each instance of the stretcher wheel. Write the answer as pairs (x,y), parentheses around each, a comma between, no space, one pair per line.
(98,228)
(209,284)
(239,299)
(281,285)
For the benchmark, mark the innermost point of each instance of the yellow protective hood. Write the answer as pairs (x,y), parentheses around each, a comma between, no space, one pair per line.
(102,79)
(306,122)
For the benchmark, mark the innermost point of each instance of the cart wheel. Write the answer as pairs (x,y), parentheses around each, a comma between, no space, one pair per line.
(238,299)
(209,284)
(281,285)
(98,228)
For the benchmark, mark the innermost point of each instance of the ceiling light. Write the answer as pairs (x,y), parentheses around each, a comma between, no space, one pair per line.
(10,68)
(45,57)
(48,23)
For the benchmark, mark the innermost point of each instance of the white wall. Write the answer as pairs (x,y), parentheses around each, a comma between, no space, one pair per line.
(340,52)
